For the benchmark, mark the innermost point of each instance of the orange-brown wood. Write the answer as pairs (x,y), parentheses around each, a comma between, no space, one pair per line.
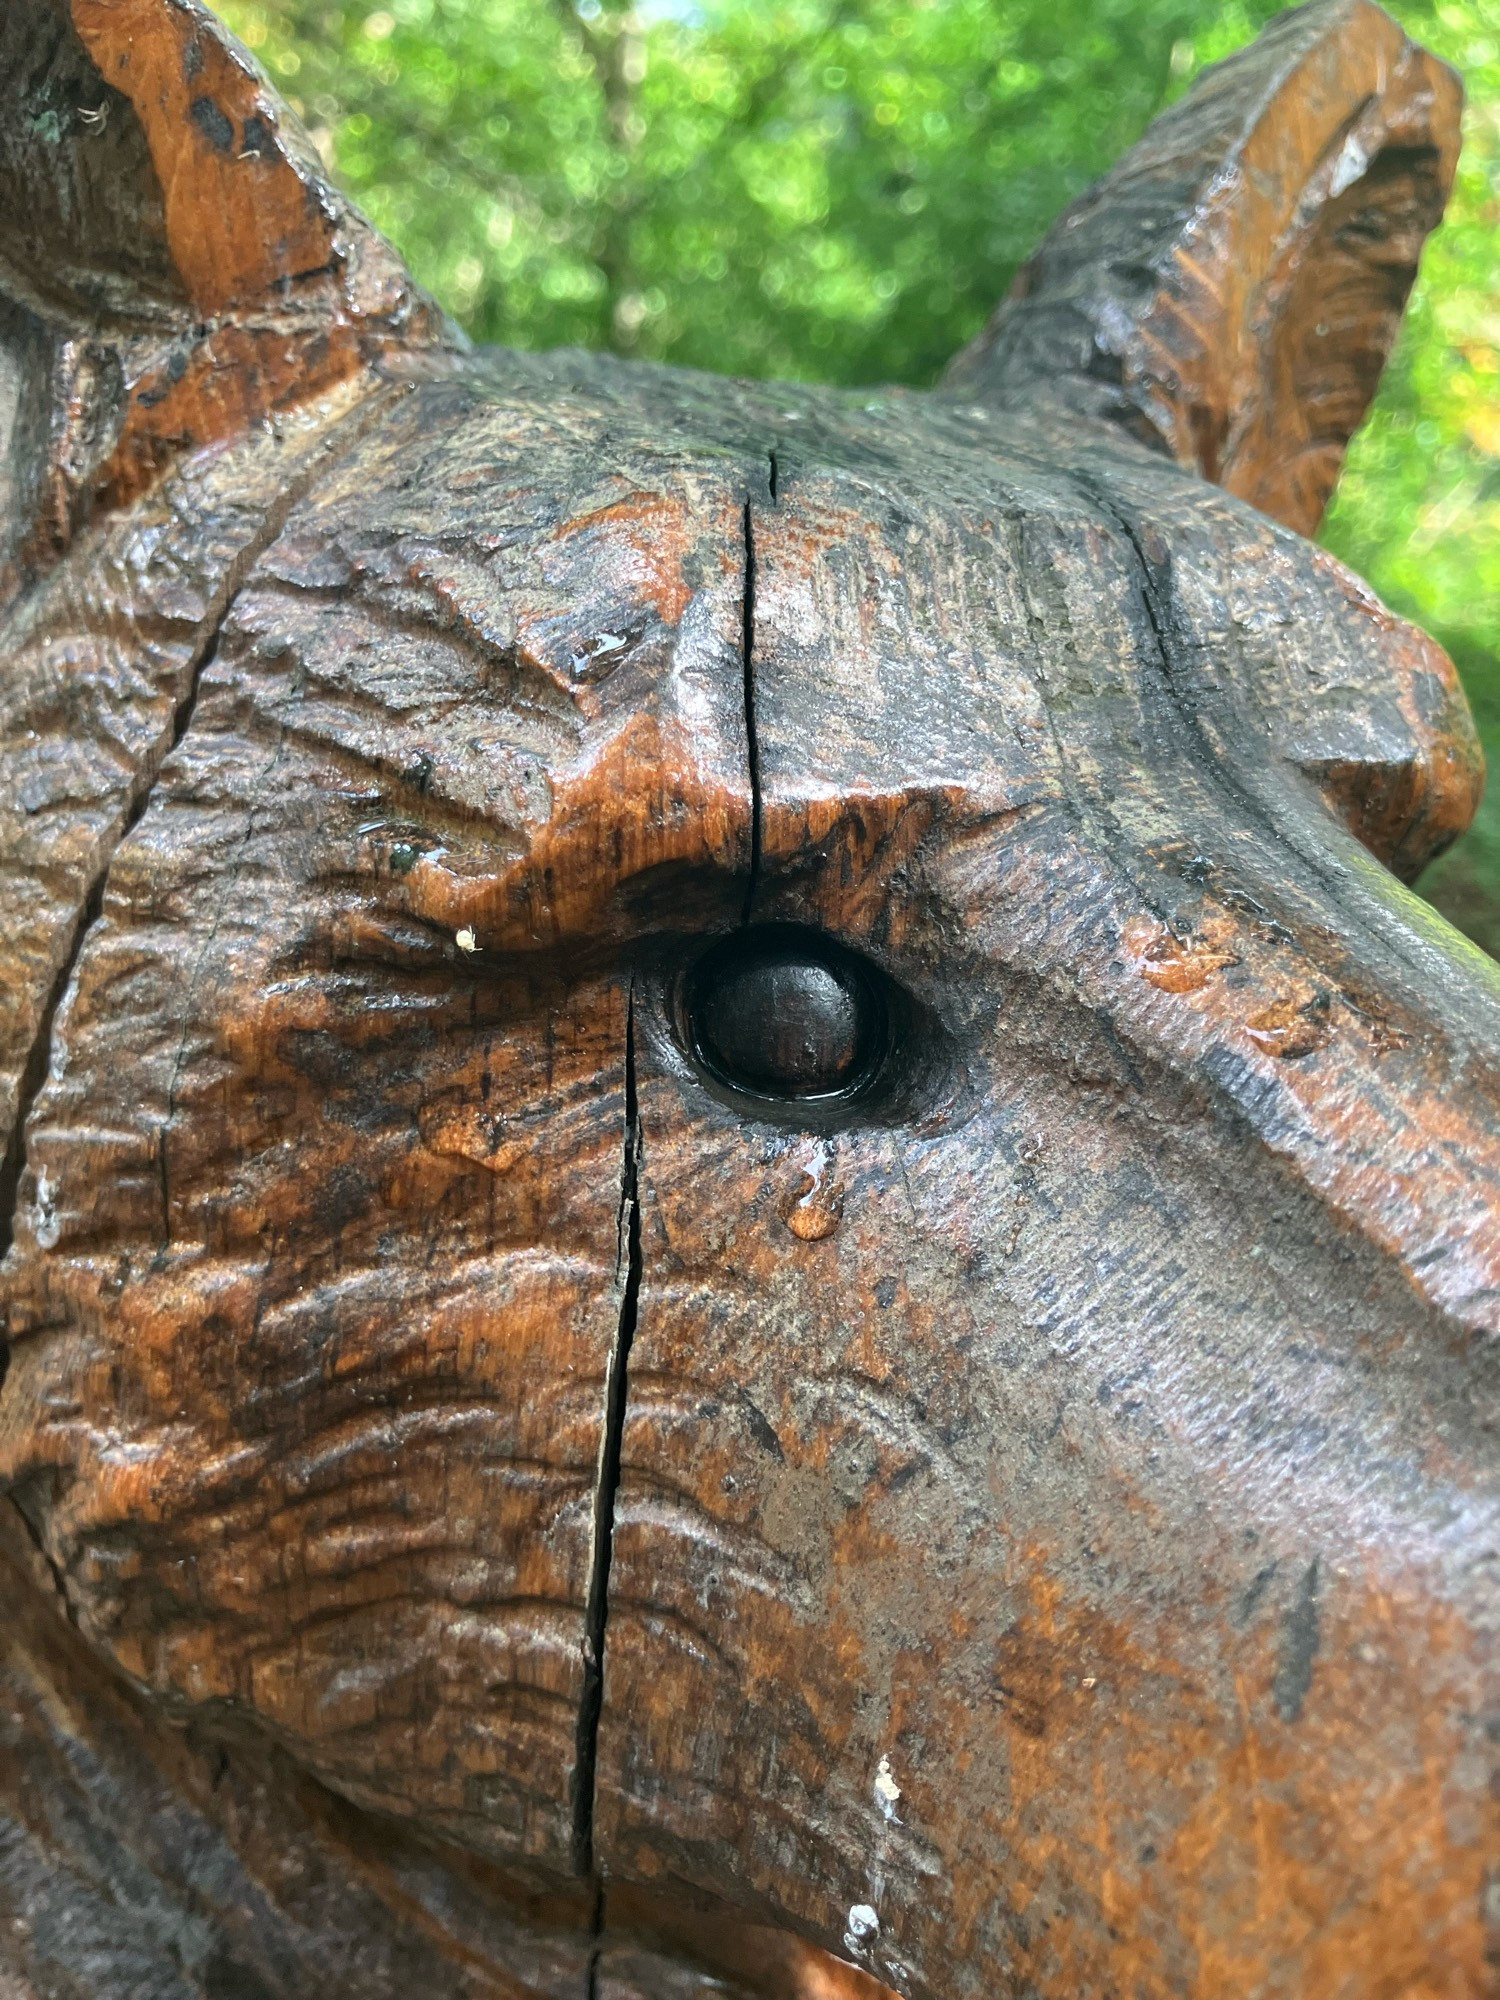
(246,213)
(751,1246)
(166,205)
(1235,285)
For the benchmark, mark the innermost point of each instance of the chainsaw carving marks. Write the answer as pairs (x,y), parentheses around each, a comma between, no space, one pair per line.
(385,1370)
(102,677)
(809,1459)
(309,1059)
(176,268)
(753,1245)
(1233,288)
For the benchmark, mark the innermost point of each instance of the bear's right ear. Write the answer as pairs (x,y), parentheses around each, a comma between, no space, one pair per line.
(174,264)
(1231,290)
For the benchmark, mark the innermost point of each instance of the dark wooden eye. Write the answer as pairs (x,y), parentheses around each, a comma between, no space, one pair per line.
(784,1013)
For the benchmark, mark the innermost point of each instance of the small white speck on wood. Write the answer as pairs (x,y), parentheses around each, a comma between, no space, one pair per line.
(887,1791)
(860,1926)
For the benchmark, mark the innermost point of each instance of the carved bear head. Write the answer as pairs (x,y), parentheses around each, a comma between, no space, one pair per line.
(735,1166)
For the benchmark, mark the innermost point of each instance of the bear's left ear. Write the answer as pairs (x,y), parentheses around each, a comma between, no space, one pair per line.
(1232,289)
(174,265)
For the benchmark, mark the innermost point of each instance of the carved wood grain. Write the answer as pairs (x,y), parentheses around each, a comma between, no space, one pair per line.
(485,1503)
(1233,288)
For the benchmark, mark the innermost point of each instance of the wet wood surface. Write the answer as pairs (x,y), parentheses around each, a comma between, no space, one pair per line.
(752,1247)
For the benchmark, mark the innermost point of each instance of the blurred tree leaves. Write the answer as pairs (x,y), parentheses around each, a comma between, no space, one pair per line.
(842,189)
(828,188)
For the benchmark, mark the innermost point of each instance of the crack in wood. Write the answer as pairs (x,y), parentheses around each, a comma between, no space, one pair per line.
(15,1500)
(596,1956)
(596,1612)
(343,436)
(1172,650)
(752,744)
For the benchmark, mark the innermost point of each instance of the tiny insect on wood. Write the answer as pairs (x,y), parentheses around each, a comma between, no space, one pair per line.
(751,1245)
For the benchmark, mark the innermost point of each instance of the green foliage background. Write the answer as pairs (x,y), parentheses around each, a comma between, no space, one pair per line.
(841,190)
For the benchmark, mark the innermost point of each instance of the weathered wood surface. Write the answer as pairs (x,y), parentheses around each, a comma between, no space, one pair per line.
(754,1248)
(176,267)
(1234,287)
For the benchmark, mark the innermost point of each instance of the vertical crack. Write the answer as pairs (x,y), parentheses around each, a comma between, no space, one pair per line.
(34,1075)
(39,1060)
(596,1612)
(1154,582)
(747,655)
(21,1502)
(616,1387)
(591,1988)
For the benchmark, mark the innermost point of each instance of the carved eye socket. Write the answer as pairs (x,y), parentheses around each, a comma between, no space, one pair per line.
(779,1012)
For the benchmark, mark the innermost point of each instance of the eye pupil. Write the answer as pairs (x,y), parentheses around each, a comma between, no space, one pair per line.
(781,1013)
(791,1029)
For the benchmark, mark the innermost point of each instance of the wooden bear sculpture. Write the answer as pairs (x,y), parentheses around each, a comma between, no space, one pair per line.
(751,1246)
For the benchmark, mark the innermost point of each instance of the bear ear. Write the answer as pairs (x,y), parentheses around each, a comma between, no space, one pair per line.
(174,265)
(1232,290)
